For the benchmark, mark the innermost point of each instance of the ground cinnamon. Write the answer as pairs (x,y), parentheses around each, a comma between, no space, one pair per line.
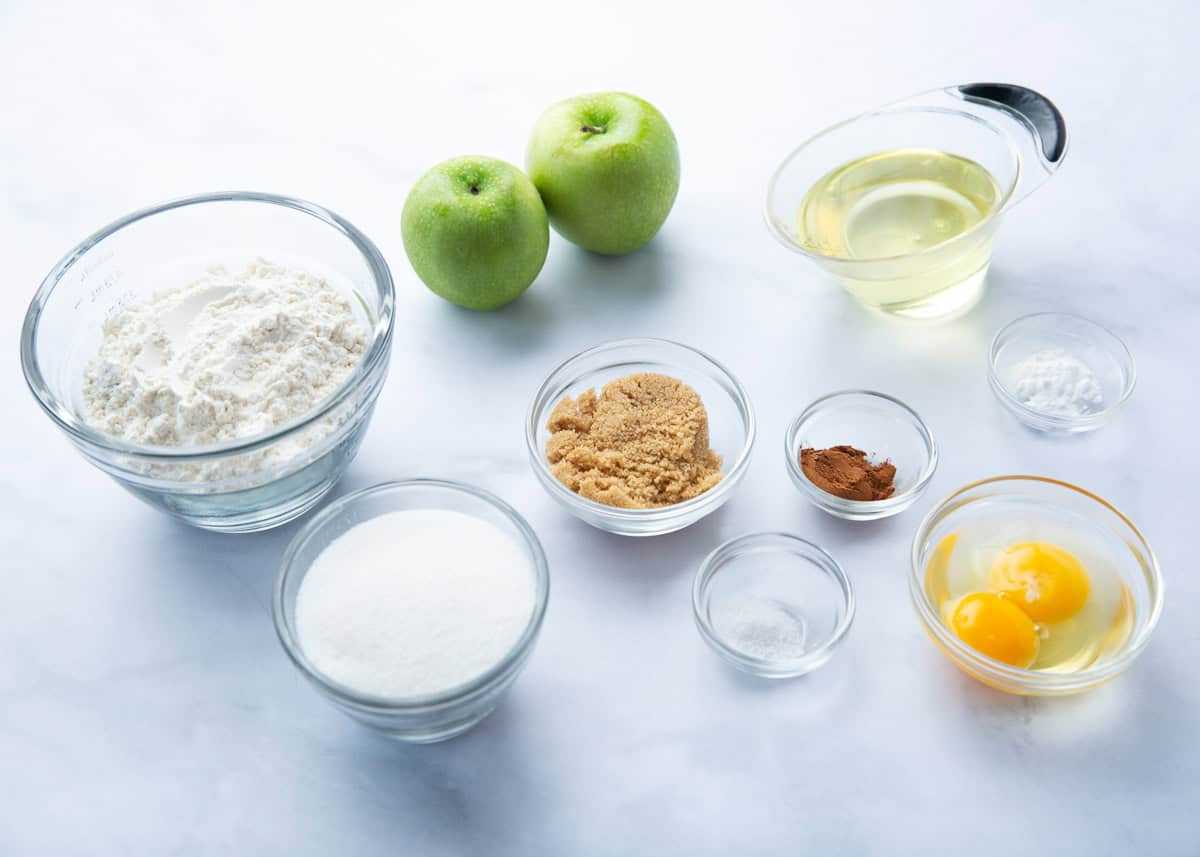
(845,471)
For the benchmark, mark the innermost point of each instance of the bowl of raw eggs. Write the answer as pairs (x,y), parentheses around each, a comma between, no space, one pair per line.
(1034,586)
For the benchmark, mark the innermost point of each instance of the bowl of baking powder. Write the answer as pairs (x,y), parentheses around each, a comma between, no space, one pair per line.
(1060,373)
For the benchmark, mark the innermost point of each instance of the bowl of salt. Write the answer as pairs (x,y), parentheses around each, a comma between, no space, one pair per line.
(772,604)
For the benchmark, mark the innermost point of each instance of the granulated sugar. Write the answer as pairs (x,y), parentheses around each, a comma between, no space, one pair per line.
(414,602)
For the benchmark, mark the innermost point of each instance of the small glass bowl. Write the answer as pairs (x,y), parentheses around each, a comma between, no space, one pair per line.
(238,486)
(730,423)
(881,426)
(431,717)
(789,599)
(1095,346)
(1049,502)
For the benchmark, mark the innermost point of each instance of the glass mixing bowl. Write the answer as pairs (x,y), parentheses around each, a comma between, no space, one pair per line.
(238,486)
(1049,502)
(432,717)
(730,423)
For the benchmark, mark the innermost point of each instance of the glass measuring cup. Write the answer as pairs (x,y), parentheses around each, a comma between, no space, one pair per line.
(1014,133)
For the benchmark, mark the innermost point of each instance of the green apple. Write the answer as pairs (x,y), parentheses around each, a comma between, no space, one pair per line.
(607,167)
(475,231)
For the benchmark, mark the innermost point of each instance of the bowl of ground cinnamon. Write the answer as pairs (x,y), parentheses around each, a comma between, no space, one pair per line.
(640,437)
(860,455)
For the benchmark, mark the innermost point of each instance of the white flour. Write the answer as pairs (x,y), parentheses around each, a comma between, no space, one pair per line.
(1054,382)
(414,602)
(226,357)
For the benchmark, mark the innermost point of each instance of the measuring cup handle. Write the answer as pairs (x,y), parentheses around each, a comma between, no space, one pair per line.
(1035,108)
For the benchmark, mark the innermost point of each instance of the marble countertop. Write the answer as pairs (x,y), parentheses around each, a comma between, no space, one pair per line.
(145,705)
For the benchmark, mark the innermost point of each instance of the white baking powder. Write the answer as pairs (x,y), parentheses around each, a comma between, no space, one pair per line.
(227,357)
(1053,381)
(414,602)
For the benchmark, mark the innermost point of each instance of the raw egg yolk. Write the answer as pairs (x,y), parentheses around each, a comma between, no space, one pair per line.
(996,627)
(1044,580)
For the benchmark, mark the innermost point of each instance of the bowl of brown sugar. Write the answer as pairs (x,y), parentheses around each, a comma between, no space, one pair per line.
(860,455)
(640,437)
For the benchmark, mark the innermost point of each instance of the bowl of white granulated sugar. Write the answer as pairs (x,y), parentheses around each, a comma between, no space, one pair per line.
(412,606)
(1060,373)
(219,356)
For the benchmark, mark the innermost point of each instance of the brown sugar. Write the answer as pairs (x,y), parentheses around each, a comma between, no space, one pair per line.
(641,444)
(846,472)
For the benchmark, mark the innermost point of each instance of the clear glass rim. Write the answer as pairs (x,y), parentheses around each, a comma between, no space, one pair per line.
(998,671)
(409,704)
(780,233)
(1037,418)
(81,432)
(762,542)
(667,513)
(820,497)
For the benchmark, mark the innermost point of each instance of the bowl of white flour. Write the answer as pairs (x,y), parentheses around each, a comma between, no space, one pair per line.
(219,356)
(412,606)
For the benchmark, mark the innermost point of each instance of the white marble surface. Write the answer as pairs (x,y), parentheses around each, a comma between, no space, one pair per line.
(145,705)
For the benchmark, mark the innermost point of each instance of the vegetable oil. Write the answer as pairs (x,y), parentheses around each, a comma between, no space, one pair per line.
(886,225)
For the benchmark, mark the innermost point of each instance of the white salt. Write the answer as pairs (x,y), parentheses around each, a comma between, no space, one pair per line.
(414,602)
(762,628)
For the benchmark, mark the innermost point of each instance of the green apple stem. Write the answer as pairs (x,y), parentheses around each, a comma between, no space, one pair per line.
(591,129)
